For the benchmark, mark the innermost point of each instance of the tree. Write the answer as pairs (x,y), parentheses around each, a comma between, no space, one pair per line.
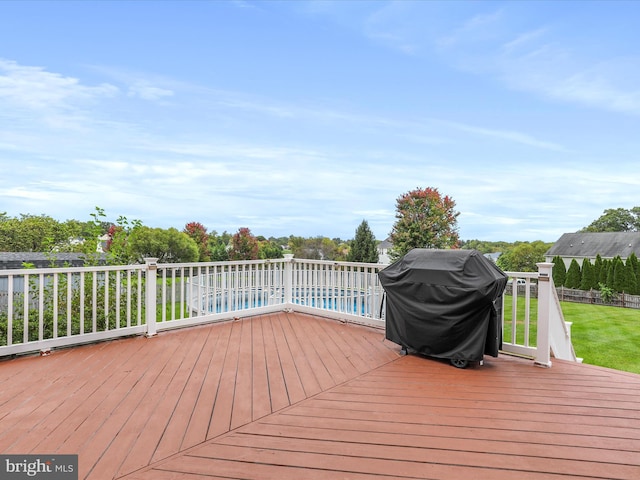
(523,257)
(616,220)
(635,264)
(244,246)
(632,279)
(118,248)
(619,275)
(604,272)
(611,273)
(484,246)
(364,247)
(269,249)
(219,246)
(573,275)
(559,271)
(32,233)
(597,269)
(587,281)
(424,219)
(318,248)
(334,249)
(341,250)
(79,235)
(310,248)
(198,233)
(168,245)
(295,245)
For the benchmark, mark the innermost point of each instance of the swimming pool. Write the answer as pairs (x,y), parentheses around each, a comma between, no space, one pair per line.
(347,301)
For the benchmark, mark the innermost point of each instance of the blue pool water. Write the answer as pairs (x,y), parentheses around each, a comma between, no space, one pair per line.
(356,306)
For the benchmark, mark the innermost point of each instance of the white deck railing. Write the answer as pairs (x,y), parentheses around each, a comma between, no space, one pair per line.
(41,309)
(536,327)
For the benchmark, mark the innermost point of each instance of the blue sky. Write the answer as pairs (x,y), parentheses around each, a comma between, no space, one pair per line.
(305,118)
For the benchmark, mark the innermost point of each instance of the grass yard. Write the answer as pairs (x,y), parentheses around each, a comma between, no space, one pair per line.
(605,336)
(601,335)
(533,327)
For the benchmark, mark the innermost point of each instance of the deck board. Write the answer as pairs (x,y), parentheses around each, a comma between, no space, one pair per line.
(289,395)
(243,381)
(196,431)
(278,392)
(303,368)
(293,383)
(421,418)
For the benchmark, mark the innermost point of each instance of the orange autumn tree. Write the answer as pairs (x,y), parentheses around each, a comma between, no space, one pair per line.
(424,219)
(198,233)
(244,246)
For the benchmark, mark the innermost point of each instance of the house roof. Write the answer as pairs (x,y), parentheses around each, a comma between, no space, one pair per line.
(13,260)
(493,256)
(606,244)
(385,243)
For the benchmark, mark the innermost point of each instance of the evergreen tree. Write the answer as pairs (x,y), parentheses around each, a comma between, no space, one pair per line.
(619,275)
(573,275)
(364,247)
(597,267)
(632,279)
(610,273)
(634,264)
(604,272)
(559,271)
(219,246)
(586,282)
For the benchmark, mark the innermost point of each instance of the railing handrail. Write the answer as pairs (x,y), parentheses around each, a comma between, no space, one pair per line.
(53,270)
(379,266)
(120,302)
(220,263)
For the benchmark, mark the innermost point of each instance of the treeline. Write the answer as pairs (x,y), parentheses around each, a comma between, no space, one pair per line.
(608,275)
(125,241)
(514,257)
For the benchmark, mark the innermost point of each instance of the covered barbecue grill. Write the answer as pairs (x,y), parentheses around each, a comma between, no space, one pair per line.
(445,304)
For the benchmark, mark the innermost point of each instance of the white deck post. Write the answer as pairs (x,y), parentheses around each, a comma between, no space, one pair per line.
(150,298)
(545,283)
(288,280)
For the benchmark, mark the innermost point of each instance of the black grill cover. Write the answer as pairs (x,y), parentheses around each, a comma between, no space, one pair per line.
(444,303)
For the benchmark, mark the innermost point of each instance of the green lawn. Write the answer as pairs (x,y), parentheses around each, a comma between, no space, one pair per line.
(533,327)
(601,335)
(605,336)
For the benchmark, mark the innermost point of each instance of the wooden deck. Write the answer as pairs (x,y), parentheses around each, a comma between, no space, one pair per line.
(293,396)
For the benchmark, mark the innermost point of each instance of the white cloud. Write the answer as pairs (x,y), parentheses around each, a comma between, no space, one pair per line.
(146,91)
(540,61)
(36,88)
(394,25)
(24,192)
(511,136)
(9,146)
(479,28)
(523,39)
(594,87)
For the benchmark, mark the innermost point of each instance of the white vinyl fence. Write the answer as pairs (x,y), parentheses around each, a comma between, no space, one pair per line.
(41,309)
